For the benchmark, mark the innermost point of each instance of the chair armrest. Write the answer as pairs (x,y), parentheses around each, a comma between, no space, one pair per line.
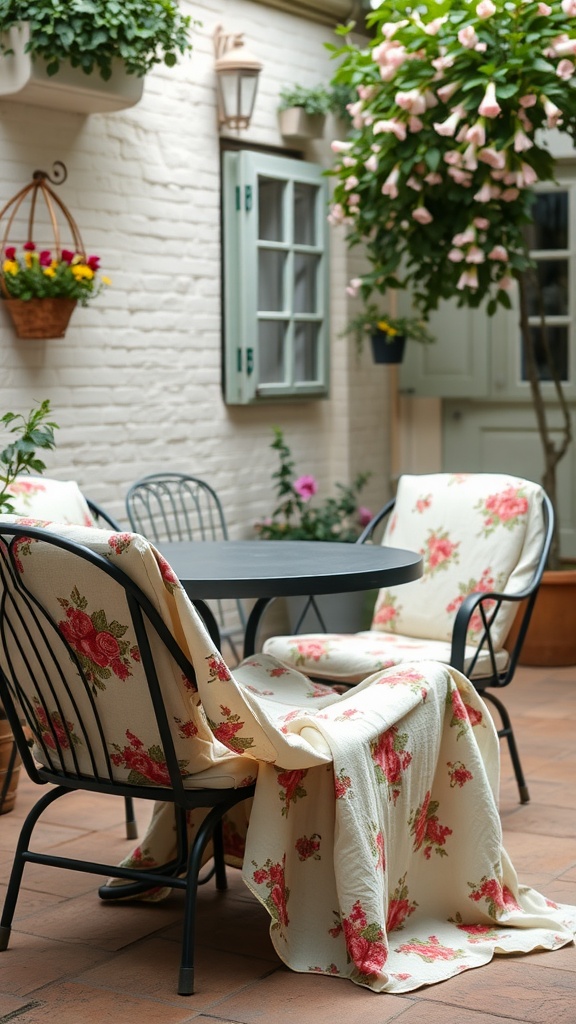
(101,516)
(382,514)
(462,621)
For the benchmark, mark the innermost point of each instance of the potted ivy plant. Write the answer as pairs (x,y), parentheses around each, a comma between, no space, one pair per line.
(302,111)
(448,141)
(28,434)
(86,55)
(388,334)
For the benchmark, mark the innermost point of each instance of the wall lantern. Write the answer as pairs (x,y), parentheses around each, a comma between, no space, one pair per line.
(236,79)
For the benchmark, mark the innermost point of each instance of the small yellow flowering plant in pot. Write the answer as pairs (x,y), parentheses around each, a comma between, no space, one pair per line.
(388,334)
(41,288)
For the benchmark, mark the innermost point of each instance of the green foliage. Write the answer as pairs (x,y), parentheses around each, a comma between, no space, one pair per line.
(372,319)
(296,518)
(314,101)
(436,177)
(37,275)
(91,34)
(32,432)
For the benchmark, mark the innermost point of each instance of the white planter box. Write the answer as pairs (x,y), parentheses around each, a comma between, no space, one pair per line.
(25,80)
(295,123)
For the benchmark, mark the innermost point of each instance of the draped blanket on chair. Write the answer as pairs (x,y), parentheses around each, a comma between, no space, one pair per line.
(374,838)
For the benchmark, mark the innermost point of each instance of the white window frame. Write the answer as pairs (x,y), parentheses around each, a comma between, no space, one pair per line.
(241,172)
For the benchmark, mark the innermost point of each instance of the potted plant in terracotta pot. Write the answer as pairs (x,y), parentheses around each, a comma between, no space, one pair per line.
(448,141)
(302,111)
(297,516)
(388,334)
(28,434)
(87,56)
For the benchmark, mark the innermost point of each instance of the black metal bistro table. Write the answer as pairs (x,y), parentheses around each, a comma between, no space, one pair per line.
(268,569)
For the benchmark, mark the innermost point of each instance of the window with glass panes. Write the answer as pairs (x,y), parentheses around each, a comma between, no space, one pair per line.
(275,278)
(550,239)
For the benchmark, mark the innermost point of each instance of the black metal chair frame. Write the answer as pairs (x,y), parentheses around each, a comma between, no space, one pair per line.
(21,613)
(158,506)
(496,678)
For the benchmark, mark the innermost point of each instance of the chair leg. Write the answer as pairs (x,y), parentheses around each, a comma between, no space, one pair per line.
(507,732)
(131,823)
(219,862)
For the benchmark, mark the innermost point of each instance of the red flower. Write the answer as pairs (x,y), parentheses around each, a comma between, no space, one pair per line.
(78,626)
(10,252)
(226,731)
(93,262)
(290,780)
(398,911)
(507,505)
(45,258)
(420,823)
(29,246)
(391,761)
(67,255)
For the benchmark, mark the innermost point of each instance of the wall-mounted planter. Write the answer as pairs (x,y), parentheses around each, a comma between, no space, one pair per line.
(296,124)
(24,79)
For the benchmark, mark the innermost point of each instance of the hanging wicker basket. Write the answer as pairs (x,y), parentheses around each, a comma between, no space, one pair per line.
(40,317)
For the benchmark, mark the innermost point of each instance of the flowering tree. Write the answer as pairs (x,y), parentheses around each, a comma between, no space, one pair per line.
(437,175)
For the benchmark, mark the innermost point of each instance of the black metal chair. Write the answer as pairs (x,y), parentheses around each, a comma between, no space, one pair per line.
(489,665)
(178,507)
(76,720)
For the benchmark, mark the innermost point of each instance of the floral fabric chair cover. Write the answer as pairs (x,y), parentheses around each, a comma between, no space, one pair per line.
(374,838)
(59,501)
(478,532)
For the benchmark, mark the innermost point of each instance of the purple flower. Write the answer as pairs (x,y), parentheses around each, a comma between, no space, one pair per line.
(364,515)
(305,487)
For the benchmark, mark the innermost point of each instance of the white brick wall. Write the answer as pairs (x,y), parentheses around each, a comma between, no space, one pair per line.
(135,384)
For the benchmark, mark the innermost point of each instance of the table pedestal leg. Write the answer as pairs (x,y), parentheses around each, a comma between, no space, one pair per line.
(252,625)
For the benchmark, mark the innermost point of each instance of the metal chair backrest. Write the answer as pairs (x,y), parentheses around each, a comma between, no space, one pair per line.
(175,506)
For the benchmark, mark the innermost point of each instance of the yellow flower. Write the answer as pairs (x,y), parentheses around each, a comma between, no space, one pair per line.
(49,272)
(106,280)
(30,258)
(383,326)
(82,272)
(10,267)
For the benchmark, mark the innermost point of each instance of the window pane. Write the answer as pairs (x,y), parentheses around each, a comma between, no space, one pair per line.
(271,336)
(558,343)
(305,214)
(305,276)
(270,209)
(306,352)
(552,285)
(550,227)
(271,280)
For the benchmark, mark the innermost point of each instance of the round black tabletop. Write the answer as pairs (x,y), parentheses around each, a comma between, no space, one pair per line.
(265,569)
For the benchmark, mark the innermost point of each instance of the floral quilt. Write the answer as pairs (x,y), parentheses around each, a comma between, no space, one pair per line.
(374,839)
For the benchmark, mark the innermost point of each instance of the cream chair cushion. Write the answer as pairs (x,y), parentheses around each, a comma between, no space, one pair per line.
(57,501)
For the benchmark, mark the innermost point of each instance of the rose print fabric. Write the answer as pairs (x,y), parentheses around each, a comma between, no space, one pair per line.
(476,533)
(60,501)
(374,840)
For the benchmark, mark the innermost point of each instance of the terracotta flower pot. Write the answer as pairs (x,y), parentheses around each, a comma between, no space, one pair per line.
(551,637)
(9,768)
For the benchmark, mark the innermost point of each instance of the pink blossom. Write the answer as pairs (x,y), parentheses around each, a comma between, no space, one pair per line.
(484,194)
(569,8)
(565,69)
(460,177)
(348,161)
(391,125)
(389,188)
(364,515)
(563,46)
(412,182)
(529,100)
(456,255)
(305,487)
(521,141)
(340,147)
(430,99)
(553,113)
(464,237)
(354,286)
(415,124)
(469,158)
(453,157)
(544,10)
(366,92)
(482,223)
(509,195)
(422,215)
(475,255)
(337,214)
(481,47)
(433,178)
(476,134)
(446,92)
(493,157)
(468,279)
(506,282)
(526,176)
(525,120)
(351,182)
(371,164)
(467,37)
(498,253)
(442,63)
(434,26)
(448,127)
(485,9)
(411,100)
(489,106)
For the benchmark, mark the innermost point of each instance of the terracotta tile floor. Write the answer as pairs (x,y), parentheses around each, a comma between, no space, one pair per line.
(74,960)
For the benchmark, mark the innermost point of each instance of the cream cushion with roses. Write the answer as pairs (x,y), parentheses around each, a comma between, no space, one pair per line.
(476,532)
(57,501)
